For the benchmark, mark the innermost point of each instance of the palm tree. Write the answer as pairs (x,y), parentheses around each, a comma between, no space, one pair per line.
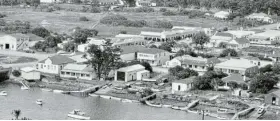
(16,113)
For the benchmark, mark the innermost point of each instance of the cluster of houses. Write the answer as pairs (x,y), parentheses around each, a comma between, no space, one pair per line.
(262,17)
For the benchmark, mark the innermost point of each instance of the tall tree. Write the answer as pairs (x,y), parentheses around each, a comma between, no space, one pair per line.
(200,39)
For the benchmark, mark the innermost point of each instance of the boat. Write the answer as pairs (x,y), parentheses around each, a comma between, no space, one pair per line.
(4,73)
(223,111)
(46,89)
(167,106)
(154,105)
(57,91)
(24,88)
(175,107)
(116,98)
(77,114)
(221,118)
(3,93)
(191,111)
(126,101)
(106,97)
(39,102)
(93,95)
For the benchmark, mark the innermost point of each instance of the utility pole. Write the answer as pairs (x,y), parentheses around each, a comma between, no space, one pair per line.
(202,114)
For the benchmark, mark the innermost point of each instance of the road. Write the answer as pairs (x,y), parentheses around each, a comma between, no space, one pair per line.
(38,56)
(269,26)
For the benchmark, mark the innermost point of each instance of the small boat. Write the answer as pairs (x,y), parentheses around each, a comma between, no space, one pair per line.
(77,114)
(116,98)
(154,105)
(46,89)
(167,106)
(175,107)
(221,118)
(222,110)
(191,111)
(3,93)
(57,91)
(39,102)
(93,95)
(24,88)
(106,97)
(126,101)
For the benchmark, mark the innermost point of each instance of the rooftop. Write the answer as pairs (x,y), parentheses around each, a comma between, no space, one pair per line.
(224,34)
(152,51)
(277,92)
(234,77)
(236,63)
(240,33)
(258,15)
(59,59)
(78,67)
(28,69)
(185,81)
(132,49)
(132,68)
(186,59)
(240,41)
(267,34)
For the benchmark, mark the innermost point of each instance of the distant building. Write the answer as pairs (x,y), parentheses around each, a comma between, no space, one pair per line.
(108,2)
(29,73)
(234,77)
(240,33)
(14,41)
(273,98)
(240,66)
(238,43)
(131,73)
(123,42)
(219,37)
(96,41)
(154,56)
(51,1)
(146,3)
(265,38)
(129,53)
(256,61)
(259,17)
(222,15)
(183,85)
(53,64)
(78,71)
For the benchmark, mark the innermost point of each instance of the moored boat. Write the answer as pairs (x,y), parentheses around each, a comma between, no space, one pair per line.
(3,93)
(106,97)
(93,95)
(57,91)
(24,88)
(126,101)
(39,102)
(77,114)
(46,89)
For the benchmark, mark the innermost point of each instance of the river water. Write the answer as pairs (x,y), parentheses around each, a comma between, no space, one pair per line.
(56,107)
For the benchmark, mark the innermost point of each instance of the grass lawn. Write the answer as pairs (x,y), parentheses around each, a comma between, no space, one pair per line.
(15,59)
(64,21)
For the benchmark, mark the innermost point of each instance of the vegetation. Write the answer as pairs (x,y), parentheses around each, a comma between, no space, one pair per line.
(81,35)
(2,15)
(144,9)
(41,32)
(180,73)
(16,73)
(229,52)
(200,39)
(167,46)
(210,80)
(262,83)
(17,113)
(83,18)
(69,47)
(16,26)
(118,20)
(162,24)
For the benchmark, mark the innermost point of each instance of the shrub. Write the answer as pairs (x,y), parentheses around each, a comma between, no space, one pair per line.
(163,10)
(162,24)
(16,73)
(112,19)
(2,15)
(169,13)
(118,20)
(49,10)
(83,18)
(95,10)
(144,9)
(84,9)
(123,32)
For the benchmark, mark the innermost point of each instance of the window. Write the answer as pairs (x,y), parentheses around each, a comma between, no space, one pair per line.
(82,75)
(179,87)
(73,74)
(67,73)
(203,67)
(42,66)
(62,72)
(54,67)
(48,66)
(190,66)
(45,66)
(87,75)
(195,66)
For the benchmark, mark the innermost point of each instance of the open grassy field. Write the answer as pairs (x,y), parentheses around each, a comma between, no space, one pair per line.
(64,21)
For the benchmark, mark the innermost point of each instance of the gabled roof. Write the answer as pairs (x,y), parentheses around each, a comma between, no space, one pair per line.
(235,63)
(59,59)
(277,93)
(189,60)
(258,15)
(224,34)
(78,67)
(132,49)
(185,81)
(152,51)
(241,41)
(28,69)
(132,68)
(234,77)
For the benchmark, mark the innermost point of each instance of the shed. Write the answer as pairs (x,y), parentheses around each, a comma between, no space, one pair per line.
(29,73)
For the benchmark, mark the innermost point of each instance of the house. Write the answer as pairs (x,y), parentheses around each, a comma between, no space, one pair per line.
(207,31)
(238,43)
(240,66)
(260,17)
(222,15)
(14,41)
(183,85)
(256,61)
(29,73)
(96,41)
(154,56)
(219,37)
(83,47)
(78,71)
(53,64)
(123,42)
(198,64)
(174,34)
(80,58)
(131,73)
(234,77)
(273,98)
(267,37)
(240,33)
(51,1)
(129,53)
(108,2)
(147,3)
(275,55)
(128,36)
(33,39)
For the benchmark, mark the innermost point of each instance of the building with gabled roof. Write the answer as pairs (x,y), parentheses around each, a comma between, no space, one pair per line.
(265,38)
(78,71)
(240,66)
(129,53)
(238,43)
(183,85)
(273,98)
(154,56)
(53,64)
(16,41)
(131,73)
(260,17)
(30,73)
(221,15)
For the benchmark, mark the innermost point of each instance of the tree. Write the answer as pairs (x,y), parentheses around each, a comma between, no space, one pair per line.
(276,68)
(81,35)
(167,46)
(181,73)
(202,83)
(233,84)
(200,39)
(147,66)
(267,68)
(263,83)
(229,52)
(83,18)
(104,59)
(16,73)
(16,114)
(41,32)
(69,47)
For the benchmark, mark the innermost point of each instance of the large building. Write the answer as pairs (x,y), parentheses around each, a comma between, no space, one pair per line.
(260,17)
(238,43)
(147,3)
(124,42)
(129,53)
(14,41)
(240,66)
(265,38)
(131,73)
(78,71)
(154,56)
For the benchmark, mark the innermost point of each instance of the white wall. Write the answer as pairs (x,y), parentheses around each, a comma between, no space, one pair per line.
(33,75)
(48,67)
(79,76)
(8,40)
(128,57)
(184,87)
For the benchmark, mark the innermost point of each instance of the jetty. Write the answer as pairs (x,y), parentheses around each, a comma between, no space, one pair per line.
(84,92)
(242,113)
(146,98)
(22,81)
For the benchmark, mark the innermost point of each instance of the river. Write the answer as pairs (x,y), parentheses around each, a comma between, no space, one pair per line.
(57,106)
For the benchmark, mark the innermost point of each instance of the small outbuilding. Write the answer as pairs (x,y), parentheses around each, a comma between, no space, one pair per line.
(29,73)
(131,73)
(273,98)
(182,85)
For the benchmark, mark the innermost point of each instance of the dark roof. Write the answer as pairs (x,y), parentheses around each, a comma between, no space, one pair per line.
(224,34)
(213,60)
(59,59)
(186,81)
(132,49)
(242,40)
(152,51)
(34,37)
(234,77)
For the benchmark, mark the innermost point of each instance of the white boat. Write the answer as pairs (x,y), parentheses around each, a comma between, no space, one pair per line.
(24,88)
(57,91)
(39,102)
(221,118)
(167,106)
(106,97)
(46,89)
(93,95)
(116,98)
(191,111)
(3,93)
(175,107)
(77,114)
(223,111)
(126,101)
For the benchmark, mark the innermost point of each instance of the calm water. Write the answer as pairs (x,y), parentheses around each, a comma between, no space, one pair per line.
(58,105)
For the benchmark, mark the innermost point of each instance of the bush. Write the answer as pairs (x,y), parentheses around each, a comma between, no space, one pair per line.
(118,20)
(84,9)
(123,32)
(163,10)
(112,19)
(144,9)
(2,15)
(16,73)
(83,18)
(169,13)
(95,10)
(162,24)
(49,10)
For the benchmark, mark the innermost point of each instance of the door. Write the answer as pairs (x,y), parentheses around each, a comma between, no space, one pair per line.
(7,46)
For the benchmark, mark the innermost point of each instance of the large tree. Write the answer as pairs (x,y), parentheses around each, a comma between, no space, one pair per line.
(104,59)
(263,83)
(81,35)
(200,39)
(41,32)
(229,52)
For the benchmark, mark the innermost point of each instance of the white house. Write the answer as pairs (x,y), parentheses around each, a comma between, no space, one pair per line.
(29,73)
(51,1)
(256,61)
(53,64)
(260,17)
(132,73)
(96,41)
(14,41)
(183,85)
(123,42)
(219,37)
(83,47)
(240,66)
(240,33)
(267,37)
(147,3)
(129,53)
(238,43)
(153,56)
(222,15)
(78,71)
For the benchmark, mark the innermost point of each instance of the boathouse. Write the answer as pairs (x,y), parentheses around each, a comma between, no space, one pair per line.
(131,73)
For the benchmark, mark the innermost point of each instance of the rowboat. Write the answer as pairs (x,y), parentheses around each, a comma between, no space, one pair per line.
(3,93)
(39,102)
(77,114)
